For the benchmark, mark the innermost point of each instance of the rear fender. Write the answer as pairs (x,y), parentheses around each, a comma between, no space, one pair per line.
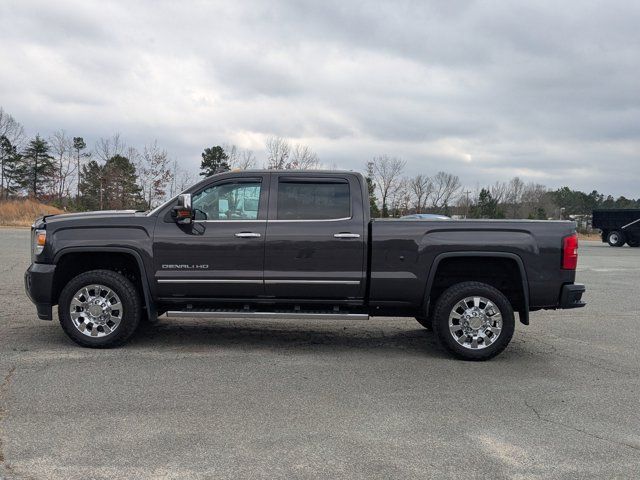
(523,313)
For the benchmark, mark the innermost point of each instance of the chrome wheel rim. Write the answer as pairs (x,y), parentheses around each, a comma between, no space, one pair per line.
(475,322)
(613,238)
(96,310)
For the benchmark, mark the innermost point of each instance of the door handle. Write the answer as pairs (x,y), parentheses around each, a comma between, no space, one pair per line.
(346,235)
(248,235)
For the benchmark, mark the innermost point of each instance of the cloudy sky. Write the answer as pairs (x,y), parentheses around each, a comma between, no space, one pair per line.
(549,91)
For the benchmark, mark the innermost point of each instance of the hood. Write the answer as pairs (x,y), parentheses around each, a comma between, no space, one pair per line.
(101,214)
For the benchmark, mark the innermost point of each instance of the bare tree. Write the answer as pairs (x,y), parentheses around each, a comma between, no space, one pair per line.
(12,134)
(153,173)
(303,158)
(401,198)
(240,159)
(65,168)
(185,179)
(465,202)
(445,188)
(386,174)
(533,198)
(513,196)
(499,191)
(422,188)
(109,147)
(11,129)
(181,179)
(278,151)
(247,160)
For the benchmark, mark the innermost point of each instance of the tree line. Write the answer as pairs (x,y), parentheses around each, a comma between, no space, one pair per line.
(61,169)
(393,194)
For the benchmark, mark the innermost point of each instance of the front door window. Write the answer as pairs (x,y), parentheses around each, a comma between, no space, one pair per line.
(228,201)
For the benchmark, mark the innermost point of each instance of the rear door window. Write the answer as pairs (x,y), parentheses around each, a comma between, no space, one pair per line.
(299,200)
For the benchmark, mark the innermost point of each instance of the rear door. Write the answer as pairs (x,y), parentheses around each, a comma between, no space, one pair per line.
(315,246)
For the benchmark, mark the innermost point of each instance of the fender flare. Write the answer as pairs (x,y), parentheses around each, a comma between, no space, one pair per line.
(524,313)
(152,312)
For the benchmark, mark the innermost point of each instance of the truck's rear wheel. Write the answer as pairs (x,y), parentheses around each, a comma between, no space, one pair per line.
(615,238)
(634,242)
(473,321)
(99,309)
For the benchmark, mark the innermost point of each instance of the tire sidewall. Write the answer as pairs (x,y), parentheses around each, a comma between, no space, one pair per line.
(128,297)
(451,297)
(620,241)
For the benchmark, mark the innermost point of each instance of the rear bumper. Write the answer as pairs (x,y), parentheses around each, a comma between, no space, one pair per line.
(38,283)
(571,296)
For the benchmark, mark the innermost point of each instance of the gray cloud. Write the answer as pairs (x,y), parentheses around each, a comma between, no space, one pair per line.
(548,91)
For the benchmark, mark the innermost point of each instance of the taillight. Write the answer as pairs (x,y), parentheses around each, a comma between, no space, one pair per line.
(570,252)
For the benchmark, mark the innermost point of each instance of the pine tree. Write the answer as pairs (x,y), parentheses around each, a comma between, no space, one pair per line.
(120,184)
(214,160)
(79,145)
(112,186)
(37,167)
(487,206)
(373,201)
(91,185)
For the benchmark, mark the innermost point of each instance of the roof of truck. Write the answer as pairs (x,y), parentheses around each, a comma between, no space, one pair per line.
(266,170)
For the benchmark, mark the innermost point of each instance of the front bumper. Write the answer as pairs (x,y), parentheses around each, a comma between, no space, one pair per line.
(38,283)
(571,295)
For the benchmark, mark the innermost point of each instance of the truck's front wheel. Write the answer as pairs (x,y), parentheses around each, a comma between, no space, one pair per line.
(99,309)
(473,321)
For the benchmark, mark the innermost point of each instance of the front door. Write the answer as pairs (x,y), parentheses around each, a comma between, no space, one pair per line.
(316,237)
(221,254)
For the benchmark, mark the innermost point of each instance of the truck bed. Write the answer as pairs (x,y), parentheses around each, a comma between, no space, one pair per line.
(405,253)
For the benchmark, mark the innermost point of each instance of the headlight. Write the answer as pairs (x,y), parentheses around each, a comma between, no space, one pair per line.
(39,240)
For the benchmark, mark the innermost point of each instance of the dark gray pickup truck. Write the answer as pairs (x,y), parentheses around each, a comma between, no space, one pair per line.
(292,244)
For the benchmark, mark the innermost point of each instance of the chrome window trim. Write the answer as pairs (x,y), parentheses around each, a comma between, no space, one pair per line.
(315,220)
(280,221)
(313,282)
(234,221)
(268,282)
(207,280)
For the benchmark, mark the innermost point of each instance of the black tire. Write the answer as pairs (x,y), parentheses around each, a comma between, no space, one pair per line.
(131,308)
(615,238)
(447,302)
(634,242)
(425,322)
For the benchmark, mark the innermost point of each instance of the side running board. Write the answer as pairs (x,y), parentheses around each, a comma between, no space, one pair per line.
(288,314)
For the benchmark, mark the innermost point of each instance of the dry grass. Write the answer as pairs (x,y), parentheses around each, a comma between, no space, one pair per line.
(22,213)
(589,236)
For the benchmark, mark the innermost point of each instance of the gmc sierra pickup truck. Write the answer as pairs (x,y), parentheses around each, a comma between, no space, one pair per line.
(294,244)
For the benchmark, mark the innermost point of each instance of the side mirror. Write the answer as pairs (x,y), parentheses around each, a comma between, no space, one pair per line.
(183,213)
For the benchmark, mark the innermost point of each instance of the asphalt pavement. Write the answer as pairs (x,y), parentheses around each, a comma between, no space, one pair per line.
(303,399)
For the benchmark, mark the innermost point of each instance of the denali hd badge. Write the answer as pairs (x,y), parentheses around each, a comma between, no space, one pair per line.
(184,267)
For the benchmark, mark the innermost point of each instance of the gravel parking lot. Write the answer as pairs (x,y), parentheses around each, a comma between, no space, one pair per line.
(377,399)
